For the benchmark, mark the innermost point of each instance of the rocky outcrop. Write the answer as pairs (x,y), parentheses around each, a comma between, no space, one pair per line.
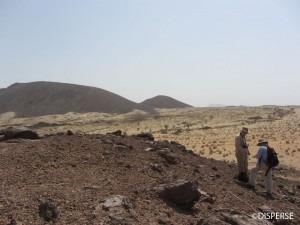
(183,193)
(112,179)
(19,133)
(114,210)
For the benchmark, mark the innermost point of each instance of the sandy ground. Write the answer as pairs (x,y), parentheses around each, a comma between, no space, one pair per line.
(209,132)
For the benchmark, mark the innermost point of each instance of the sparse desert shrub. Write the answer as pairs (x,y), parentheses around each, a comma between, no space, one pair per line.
(201,152)
(255,118)
(178,131)
(163,131)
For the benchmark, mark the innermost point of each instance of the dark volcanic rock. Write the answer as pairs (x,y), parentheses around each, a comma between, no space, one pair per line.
(48,210)
(147,136)
(84,174)
(117,133)
(69,132)
(168,156)
(183,193)
(20,132)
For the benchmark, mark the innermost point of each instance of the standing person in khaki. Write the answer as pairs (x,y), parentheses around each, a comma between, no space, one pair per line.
(241,153)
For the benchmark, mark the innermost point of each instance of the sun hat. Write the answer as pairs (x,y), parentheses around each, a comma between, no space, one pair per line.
(245,129)
(262,141)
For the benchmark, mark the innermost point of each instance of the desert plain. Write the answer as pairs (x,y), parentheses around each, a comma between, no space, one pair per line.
(80,167)
(207,131)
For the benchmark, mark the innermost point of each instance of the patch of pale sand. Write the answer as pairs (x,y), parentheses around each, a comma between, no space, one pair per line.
(6,119)
(218,142)
(278,132)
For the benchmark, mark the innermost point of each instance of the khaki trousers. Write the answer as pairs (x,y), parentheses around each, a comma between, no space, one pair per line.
(242,160)
(255,170)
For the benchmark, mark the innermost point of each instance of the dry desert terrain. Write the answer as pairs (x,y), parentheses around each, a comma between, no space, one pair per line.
(209,132)
(94,175)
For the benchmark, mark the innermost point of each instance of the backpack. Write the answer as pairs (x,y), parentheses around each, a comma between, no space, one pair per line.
(272,160)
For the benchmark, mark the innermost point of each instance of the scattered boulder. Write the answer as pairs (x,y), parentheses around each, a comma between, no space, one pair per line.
(150,149)
(168,156)
(106,141)
(214,168)
(157,167)
(147,136)
(116,201)
(19,132)
(114,209)
(178,145)
(92,169)
(163,144)
(121,146)
(206,197)
(117,133)
(69,132)
(48,210)
(183,193)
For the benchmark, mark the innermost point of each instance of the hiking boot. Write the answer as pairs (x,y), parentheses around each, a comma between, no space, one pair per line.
(269,195)
(243,177)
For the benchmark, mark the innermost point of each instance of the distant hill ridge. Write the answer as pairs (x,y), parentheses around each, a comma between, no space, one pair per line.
(162,101)
(46,98)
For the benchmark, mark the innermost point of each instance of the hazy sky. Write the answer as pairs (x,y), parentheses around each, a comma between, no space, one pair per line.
(201,52)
